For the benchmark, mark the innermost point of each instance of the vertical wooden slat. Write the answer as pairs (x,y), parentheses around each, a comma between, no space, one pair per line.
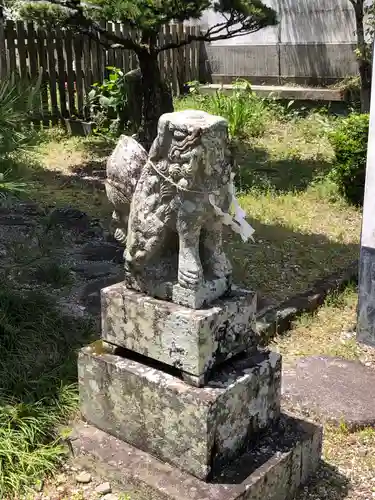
(88,77)
(32,52)
(119,53)
(162,55)
(3,51)
(94,64)
(188,72)
(168,55)
(42,60)
(102,61)
(125,34)
(61,72)
(133,56)
(69,72)
(21,46)
(110,52)
(32,56)
(174,60)
(52,76)
(181,59)
(78,43)
(102,57)
(10,34)
(195,55)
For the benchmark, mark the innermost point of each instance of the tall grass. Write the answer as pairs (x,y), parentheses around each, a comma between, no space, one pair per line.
(38,387)
(17,102)
(246,113)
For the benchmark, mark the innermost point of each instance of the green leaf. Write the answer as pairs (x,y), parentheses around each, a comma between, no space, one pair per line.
(104,101)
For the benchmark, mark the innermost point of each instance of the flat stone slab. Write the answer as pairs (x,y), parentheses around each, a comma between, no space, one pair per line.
(281,92)
(196,429)
(334,389)
(282,461)
(173,292)
(190,340)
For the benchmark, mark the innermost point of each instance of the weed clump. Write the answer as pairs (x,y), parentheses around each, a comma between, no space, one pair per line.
(38,387)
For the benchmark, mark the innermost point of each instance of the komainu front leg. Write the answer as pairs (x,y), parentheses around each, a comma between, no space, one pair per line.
(120,214)
(190,272)
(120,225)
(215,261)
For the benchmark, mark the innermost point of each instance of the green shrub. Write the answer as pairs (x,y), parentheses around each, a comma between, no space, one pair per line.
(108,100)
(349,141)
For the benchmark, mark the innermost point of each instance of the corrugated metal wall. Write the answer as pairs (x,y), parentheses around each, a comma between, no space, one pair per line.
(313,43)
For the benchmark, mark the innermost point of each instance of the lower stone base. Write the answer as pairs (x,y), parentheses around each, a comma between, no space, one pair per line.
(280,463)
(199,430)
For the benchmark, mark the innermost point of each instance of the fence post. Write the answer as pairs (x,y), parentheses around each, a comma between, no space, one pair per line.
(195,48)
(42,52)
(52,76)
(10,35)
(61,72)
(77,43)
(3,54)
(126,53)
(21,48)
(31,52)
(188,72)
(68,40)
(174,57)
(181,54)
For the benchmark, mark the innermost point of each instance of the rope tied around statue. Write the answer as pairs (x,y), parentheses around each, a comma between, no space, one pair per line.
(238,222)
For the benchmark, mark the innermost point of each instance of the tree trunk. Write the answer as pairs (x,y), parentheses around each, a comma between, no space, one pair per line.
(364,63)
(156,97)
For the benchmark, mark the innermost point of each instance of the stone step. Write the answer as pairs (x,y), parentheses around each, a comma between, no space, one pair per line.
(282,92)
(199,430)
(282,461)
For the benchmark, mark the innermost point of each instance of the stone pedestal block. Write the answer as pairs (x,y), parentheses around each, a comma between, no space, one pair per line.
(169,290)
(199,430)
(190,340)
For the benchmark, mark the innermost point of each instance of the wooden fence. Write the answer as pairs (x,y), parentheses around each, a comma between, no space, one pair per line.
(71,64)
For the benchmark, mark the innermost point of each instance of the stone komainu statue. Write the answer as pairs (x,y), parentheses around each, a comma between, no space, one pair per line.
(167,204)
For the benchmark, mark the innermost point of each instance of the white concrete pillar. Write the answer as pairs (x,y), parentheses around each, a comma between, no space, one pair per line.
(366,306)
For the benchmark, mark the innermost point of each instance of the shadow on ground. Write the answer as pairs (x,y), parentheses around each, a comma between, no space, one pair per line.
(257,169)
(283,262)
(37,347)
(328,484)
(97,153)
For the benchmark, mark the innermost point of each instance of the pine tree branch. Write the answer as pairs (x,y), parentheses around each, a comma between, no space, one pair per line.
(88,27)
(217,32)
